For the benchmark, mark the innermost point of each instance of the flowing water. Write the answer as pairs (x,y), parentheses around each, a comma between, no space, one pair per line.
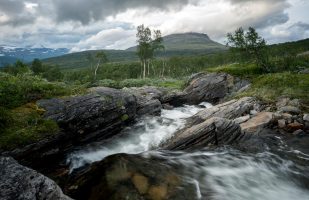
(223,173)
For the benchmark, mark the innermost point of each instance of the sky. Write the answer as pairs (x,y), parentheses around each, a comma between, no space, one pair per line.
(111,24)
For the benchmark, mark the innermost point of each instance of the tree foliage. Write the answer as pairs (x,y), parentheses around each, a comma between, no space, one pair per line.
(148,44)
(250,46)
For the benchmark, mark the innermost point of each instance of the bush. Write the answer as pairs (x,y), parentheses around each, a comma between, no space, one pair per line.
(18,90)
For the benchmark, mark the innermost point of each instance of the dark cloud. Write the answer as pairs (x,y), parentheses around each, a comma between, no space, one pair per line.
(86,11)
(15,13)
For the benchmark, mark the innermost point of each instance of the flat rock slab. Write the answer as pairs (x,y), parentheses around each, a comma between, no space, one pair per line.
(261,120)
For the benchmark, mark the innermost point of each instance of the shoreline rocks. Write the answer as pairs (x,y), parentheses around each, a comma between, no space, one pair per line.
(21,183)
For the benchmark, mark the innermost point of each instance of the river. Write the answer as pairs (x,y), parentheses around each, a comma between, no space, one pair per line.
(229,173)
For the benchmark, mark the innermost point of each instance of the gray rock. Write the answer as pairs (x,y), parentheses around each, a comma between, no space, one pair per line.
(298,132)
(261,120)
(290,109)
(306,117)
(21,183)
(101,110)
(253,112)
(214,131)
(210,87)
(242,119)
(229,110)
(281,123)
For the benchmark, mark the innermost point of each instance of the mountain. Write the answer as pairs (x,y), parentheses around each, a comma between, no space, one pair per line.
(9,54)
(188,41)
(182,44)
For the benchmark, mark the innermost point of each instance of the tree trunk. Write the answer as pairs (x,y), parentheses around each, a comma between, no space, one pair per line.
(144,72)
(96,69)
(148,68)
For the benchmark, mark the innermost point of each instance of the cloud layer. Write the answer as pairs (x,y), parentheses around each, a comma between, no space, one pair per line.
(96,24)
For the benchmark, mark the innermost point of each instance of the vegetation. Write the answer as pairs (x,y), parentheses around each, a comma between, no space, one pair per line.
(250,46)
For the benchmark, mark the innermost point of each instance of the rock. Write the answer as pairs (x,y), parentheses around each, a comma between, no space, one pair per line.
(214,131)
(281,123)
(167,106)
(261,120)
(298,132)
(21,183)
(148,107)
(229,110)
(92,115)
(210,87)
(306,117)
(290,109)
(294,126)
(123,176)
(253,112)
(242,119)
(174,98)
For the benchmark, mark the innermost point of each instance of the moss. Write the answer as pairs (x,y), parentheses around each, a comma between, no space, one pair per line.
(25,127)
(241,70)
(124,117)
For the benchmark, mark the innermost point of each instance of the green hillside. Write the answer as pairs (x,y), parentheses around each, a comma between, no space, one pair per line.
(186,44)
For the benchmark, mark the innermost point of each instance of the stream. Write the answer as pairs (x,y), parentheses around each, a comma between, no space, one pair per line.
(229,174)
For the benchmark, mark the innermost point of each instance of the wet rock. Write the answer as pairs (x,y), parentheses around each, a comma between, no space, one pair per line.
(174,98)
(298,132)
(210,87)
(306,117)
(242,119)
(261,120)
(21,183)
(121,177)
(229,110)
(294,126)
(167,106)
(214,131)
(281,123)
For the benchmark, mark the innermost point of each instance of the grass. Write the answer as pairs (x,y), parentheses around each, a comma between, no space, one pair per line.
(240,70)
(168,83)
(269,87)
(24,125)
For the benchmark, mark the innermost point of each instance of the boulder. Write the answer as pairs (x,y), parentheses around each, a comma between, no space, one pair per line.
(290,109)
(294,126)
(21,183)
(214,131)
(102,110)
(306,117)
(148,99)
(210,87)
(229,110)
(136,177)
(261,120)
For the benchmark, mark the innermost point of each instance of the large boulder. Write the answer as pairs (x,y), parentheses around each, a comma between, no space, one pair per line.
(130,177)
(98,113)
(214,131)
(210,87)
(261,120)
(21,183)
(229,110)
(148,99)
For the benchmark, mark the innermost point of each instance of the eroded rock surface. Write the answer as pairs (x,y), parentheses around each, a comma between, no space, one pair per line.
(21,183)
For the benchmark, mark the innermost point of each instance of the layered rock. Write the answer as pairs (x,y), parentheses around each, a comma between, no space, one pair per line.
(229,110)
(210,87)
(214,131)
(21,183)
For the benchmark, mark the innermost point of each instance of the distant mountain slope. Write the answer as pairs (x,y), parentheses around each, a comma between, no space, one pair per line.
(184,44)
(188,41)
(28,54)
(5,60)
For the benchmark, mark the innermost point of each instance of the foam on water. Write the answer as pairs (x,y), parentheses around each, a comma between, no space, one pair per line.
(147,134)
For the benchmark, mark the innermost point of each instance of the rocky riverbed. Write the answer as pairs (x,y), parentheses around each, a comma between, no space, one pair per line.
(153,143)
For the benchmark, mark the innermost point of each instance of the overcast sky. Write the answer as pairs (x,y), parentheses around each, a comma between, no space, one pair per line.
(111,24)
